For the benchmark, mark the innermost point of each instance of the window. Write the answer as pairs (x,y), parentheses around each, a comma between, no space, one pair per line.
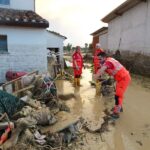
(5,2)
(3,43)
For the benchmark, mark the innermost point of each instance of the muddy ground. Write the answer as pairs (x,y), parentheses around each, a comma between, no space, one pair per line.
(130,132)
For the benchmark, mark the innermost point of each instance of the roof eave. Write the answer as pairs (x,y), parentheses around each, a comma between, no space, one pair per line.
(99,31)
(57,34)
(121,9)
(27,24)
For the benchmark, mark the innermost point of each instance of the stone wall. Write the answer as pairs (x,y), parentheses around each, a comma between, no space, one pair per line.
(137,63)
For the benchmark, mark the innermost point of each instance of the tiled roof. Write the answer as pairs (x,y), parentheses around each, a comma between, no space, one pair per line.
(101,30)
(57,34)
(12,17)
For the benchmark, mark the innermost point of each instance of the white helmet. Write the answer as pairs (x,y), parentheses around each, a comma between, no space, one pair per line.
(98,45)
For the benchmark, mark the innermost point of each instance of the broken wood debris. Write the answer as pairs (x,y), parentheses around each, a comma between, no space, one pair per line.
(45,120)
(40,111)
(65,119)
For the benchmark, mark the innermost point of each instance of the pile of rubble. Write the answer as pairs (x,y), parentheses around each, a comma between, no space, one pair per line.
(36,118)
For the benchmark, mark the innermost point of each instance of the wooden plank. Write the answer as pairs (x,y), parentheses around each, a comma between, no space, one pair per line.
(10,82)
(16,86)
(64,120)
(24,89)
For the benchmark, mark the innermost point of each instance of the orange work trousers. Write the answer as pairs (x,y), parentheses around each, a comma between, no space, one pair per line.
(122,81)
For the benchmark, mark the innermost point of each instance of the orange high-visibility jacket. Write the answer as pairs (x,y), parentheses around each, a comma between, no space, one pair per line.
(96,60)
(79,60)
(120,74)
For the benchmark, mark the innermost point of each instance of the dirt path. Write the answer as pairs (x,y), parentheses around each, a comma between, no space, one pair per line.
(132,130)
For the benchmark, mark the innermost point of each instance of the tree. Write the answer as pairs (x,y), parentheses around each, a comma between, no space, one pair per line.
(90,47)
(86,47)
(69,47)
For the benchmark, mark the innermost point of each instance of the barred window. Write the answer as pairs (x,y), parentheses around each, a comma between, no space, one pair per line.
(5,2)
(3,43)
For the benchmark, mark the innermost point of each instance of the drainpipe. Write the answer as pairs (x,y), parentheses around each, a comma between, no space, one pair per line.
(34,5)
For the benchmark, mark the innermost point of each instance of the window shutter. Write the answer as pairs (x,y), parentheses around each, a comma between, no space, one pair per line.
(3,43)
(5,2)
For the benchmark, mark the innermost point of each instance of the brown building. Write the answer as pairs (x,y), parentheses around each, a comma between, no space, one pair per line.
(96,36)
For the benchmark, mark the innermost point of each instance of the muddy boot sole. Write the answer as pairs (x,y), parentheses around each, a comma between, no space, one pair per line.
(114,116)
(121,110)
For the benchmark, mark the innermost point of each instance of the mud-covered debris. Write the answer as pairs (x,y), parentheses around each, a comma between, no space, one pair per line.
(106,111)
(26,141)
(22,125)
(66,96)
(132,133)
(64,76)
(54,140)
(28,136)
(69,134)
(65,136)
(64,120)
(31,102)
(45,89)
(94,126)
(9,103)
(54,104)
(140,143)
(40,139)
(102,125)
(26,111)
(63,107)
(27,122)
(44,117)
(107,87)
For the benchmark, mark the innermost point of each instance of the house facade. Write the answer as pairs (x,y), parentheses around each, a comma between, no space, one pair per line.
(100,36)
(128,27)
(55,42)
(18,4)
(23,44)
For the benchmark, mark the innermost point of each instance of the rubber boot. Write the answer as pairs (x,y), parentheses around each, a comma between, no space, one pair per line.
(115,115)
(98,86)
(121,110)
(116,112)
(62,72)
(75,82)
(117,109)
(78,82)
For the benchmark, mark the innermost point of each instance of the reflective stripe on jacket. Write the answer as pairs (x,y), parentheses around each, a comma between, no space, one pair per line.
(116,66)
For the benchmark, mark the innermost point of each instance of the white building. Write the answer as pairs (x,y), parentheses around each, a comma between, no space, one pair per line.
(23,44)
(128,26)
(18,4)
(55,44)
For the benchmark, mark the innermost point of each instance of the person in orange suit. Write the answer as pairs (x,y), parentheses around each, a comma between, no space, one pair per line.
(97,65)
(77,65)
(121,75)
(96,59)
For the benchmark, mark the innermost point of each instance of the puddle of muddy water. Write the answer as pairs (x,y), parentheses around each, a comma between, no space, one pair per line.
(130,130)
(86,103)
